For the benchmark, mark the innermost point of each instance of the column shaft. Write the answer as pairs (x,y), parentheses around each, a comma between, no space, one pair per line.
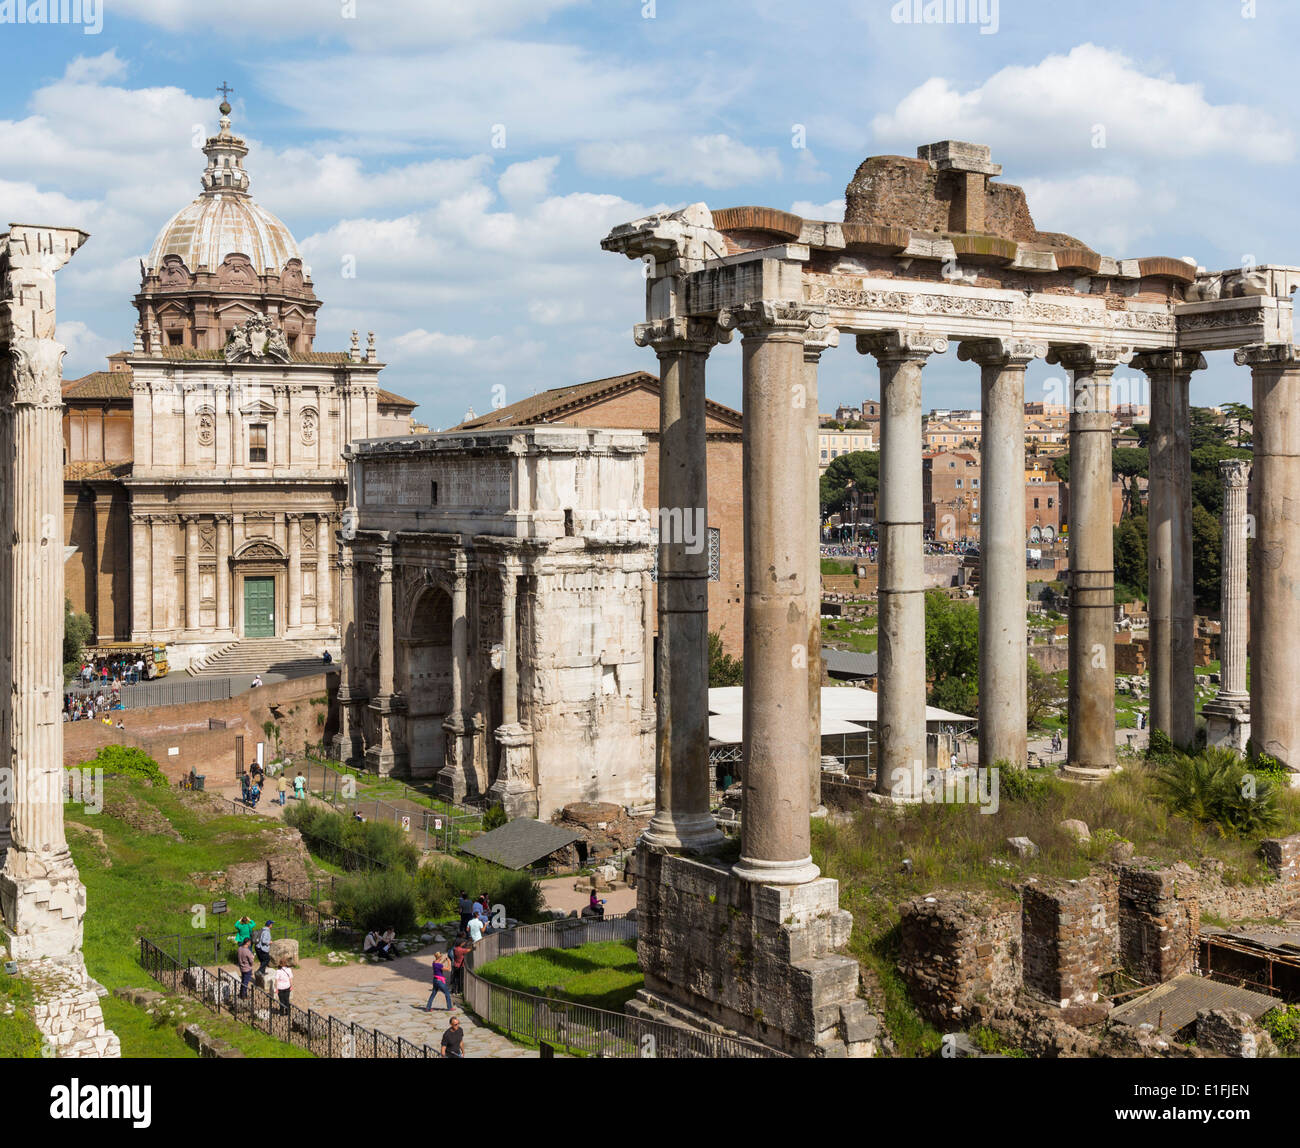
(509,654)
(324,584)
(223,572)
(1275,566)
(294,525)
(141,579)
(682,818)
(900,710)
(1172,607)
(386,635)
(778,730)
(1091,705)
(1232,591)
(1003,636)
(192,595)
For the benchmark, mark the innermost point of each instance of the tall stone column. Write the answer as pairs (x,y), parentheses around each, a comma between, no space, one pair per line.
(347,742)
(223,574)
(383,757)
(141,581)
(192,594)
(682,819)
(41,895)
(324,584)
(1003,637)
(1172,649)
(1091,704)
(900,710)
(1227,715)
(778,731)
(515,787)
(649,720)
(1275,565)
(106,587)
(816,341)
(455,779)
(293,523)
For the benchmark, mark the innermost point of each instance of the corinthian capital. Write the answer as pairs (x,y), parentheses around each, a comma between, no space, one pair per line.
(1174,362)
(1000,352)
(37,372)
(1235,472)
(902,346)
(1091,358)
(773,317)
(1267,355)
(680,334)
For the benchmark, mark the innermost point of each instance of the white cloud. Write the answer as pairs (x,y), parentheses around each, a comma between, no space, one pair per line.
(1051,109)
(96,69)
(708,161)
(831,211)
(419,343)
(84,345)
(528,180)
(1107,212)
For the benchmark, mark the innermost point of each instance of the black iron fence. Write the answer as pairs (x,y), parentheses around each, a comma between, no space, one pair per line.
(161,693)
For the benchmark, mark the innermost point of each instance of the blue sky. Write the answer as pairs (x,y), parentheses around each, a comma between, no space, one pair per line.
(371,127)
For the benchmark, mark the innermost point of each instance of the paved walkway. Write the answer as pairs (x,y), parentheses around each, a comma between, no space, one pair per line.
(381,996)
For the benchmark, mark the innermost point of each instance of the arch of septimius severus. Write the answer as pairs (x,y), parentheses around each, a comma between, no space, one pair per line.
(931,252)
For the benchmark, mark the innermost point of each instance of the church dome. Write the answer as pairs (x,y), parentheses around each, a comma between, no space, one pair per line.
(224,219)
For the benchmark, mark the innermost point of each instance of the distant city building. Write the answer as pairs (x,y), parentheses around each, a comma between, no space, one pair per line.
(831,444)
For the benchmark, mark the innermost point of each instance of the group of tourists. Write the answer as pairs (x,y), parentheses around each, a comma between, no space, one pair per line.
(253,784)
(116,670)
(256,942)
(96,706)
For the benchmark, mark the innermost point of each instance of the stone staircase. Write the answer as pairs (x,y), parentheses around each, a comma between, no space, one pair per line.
(261,656)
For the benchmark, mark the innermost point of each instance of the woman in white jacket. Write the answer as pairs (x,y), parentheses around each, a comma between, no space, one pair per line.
(283,985)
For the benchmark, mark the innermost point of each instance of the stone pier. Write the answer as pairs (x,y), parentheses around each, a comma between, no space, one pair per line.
(41,895)
(1275,569)
(1172,607)
(1227,715)
(1003,637)
(682,819)
(1092,561)
(900,523)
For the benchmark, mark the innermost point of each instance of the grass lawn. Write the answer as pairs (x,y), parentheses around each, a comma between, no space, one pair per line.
(19,1036)
(603,974)
(859,635)
(372,788)
(951,847)
(145,889)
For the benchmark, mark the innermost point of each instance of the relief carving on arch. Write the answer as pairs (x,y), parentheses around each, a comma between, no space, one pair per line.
(310,422)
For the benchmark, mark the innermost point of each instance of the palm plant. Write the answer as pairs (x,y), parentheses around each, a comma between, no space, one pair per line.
(1217,789)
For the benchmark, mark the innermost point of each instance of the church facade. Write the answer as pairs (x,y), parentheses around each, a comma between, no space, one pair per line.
(204,473)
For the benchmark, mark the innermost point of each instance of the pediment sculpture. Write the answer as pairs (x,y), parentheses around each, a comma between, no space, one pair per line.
(258,340)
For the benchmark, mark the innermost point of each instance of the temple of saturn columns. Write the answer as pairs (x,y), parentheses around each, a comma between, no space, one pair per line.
(932,251)
(41,895)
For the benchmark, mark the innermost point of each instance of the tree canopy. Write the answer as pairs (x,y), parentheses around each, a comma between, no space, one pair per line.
(859,467)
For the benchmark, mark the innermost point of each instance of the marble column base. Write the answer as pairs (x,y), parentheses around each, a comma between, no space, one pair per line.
(683,832)
(513,788)
(44,903)
(776,872)
(1227,722)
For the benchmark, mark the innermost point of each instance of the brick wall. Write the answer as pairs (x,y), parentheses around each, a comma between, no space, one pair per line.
(1070,934)
(1159,920)
(185,728)
(959,951)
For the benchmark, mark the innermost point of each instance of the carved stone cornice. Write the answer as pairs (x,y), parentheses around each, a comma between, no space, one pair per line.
(779,317)
(1278,355)
(902,346)
(1175,362)
(1235,472)
(1091,358)
(37,373)
(670,336)
(819,339)
(1007,354)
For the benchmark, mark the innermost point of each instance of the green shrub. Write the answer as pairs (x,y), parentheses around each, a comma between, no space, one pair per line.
(495,817)
(1159,747)
(1267,765)
(382,899)
(439,883)
(1033,787)
(383,842)
(1282,1024)
(1216,788)
(126,761)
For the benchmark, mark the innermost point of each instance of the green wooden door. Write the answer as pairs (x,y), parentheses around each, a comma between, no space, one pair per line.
(259,607)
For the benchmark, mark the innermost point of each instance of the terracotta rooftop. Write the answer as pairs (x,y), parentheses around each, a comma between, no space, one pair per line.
(555,405)
(93,468)
(99,385)
(389,399)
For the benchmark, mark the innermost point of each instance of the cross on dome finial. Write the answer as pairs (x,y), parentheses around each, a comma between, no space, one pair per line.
(226,90)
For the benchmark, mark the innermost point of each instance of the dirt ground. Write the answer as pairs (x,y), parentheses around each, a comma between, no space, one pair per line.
(559,893)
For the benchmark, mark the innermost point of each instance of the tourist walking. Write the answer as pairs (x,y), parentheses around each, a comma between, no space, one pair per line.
(440,970)
(245,960)
(453,1039)
(459,952)
(263,947)
(466,909)
(280,786)
(283,985)
(475,929)
(299,786)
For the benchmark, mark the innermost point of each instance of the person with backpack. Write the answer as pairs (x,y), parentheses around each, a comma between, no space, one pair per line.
(263,947)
